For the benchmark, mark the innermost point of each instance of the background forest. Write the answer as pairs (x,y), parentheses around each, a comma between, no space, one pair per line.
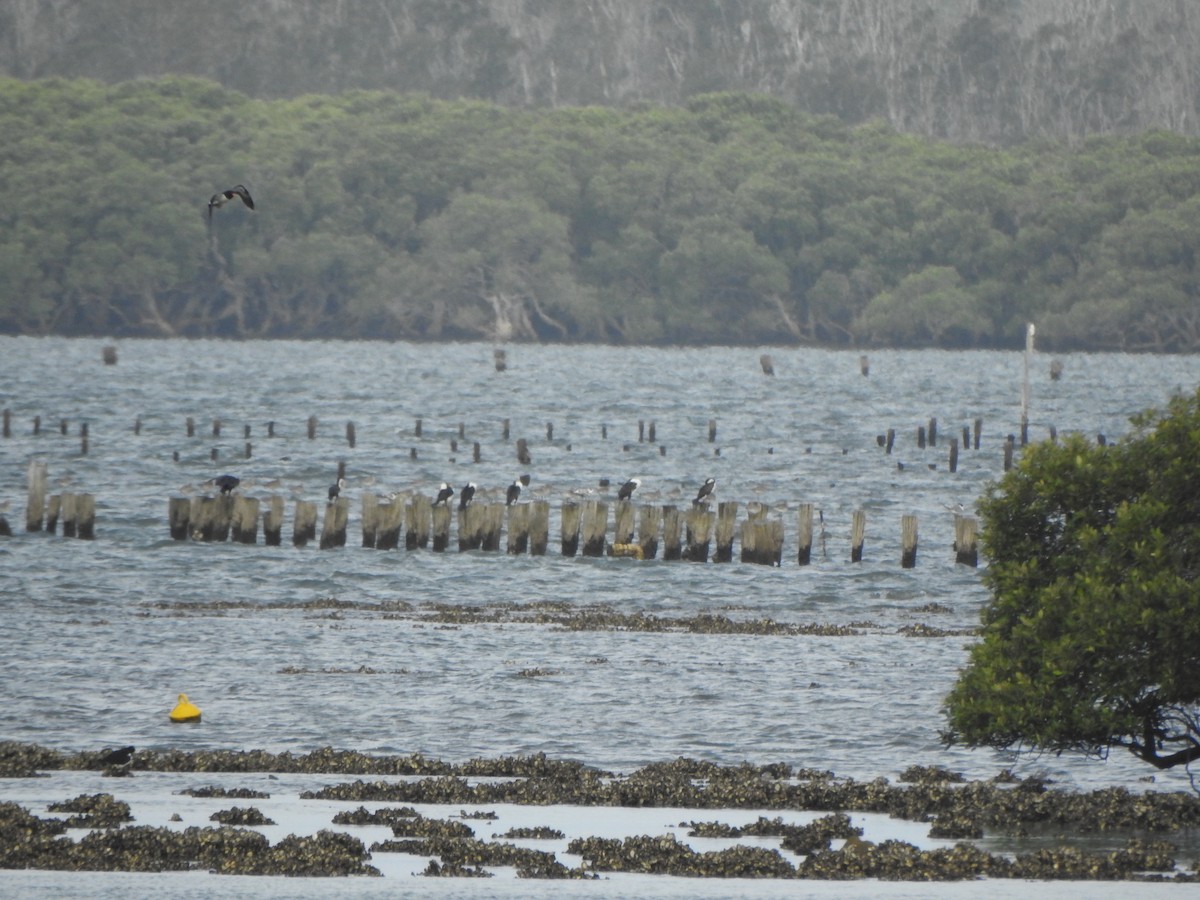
(961,169)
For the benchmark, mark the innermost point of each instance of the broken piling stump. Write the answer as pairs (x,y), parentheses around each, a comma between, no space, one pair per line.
(333,528)
(858,531)
(594,527)
(390,522)
(418,516)
(908,541)
(35,504)
(304,523)
(272,521)
(571,514)
(672,544)
(623,527)
(539,527)
(649,523)
(178,516)
(727,511)
(440,518)
(699,525)
(244,523)
(965,551)
(370,519)
(518,529)
(804,533)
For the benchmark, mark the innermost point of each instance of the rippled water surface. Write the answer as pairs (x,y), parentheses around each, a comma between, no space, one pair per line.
(101,635)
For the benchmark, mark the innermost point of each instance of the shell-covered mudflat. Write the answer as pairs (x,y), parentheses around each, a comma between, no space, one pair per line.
(442,817)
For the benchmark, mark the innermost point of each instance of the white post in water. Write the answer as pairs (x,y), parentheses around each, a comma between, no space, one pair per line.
(1025,391)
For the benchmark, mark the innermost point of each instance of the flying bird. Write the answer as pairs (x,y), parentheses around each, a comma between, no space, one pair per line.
(466,495)
(513,492)
(335,489)
(626,490)
(220,198)
(706,489)
(445,492)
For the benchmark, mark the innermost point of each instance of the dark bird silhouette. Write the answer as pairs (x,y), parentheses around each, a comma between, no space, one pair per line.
(220,198)
(335,489)
(626,490)
(118,757)
(706,489)
(514,491)
(466,495)
(226,483)
(445,492)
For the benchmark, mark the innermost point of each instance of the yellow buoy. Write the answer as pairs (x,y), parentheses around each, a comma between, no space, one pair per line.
(185,710)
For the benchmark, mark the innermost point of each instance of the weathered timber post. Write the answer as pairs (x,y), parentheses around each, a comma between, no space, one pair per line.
(53,505)
(518,529)
(224,517)
(441,527)
(651,432)
(549,432)
(889,441)
(539,527)
(921,436)
(85,516)
(350,437)
(762,541)
(35,504)
(272,521)
(333,528)
(641,431)
(470,527)
(191,427)
(804,533)
(1009,447)
(504,430)
(595,527)
(1024,432)
(475,455)
(178,517)
(62,427)
(312,427)
(523,456)
(672,544)
(246,432)
(978,430)
(712,430)
(699,524)
(908,541)
(500,357)
(966,438)
(304,523)
(37,425)
(390,522)
(8,423)
(137,425)
(493,526)
(83,439)
(965,551)
(271,429)
(649,523)
(768,365)
(249,450)
(109,354)
(864,365)
(212,454)
(370,519)
(417,427)
(933,431)
(1056,369)
(858,532)
(623,525)
(570,528)
(418,514)
(245,520)
(216,427)
(953,454)
(5,528)
(727,511)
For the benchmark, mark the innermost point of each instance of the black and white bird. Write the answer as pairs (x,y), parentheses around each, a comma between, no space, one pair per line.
(220,198)
(226,483)
(706,489)
(335,489)
(445,492)
(119,757)
(466,495)
(513,493)
(625,491)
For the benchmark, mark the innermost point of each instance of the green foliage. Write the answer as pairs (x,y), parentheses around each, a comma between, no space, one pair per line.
(732,218)
(1092,638)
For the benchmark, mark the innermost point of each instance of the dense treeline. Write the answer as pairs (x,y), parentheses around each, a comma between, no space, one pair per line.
(991,71)
(732,218)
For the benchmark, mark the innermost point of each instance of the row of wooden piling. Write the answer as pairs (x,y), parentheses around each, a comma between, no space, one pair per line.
(639,531)
(43,512)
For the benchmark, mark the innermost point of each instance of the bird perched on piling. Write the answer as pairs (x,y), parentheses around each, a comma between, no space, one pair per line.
(335,489)
(445,492)
(220,198)
(226,483)
(466,495)
(706,489)
(625,491)
(513,492)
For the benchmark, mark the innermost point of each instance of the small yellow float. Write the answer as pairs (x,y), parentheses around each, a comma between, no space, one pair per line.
(185,710)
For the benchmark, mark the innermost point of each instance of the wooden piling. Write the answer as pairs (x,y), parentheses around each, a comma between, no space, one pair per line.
(804,533)
(953,454)
(594,527)
(698,522)
(549,432)
(85,516)
(518,529)
(966,437)
(475,455)
(523,456)
(53,505)
(440,517)
(69,520)
(651,432)
(727,511)
(109,355)
(390,522)
(8,423)
(37,425)
(470,527)
(649,523)
(864,365)
(245,520)
(641,431)
(623,526)
(500,357)
(539,527)
(921,437)
(333,528)
(762,541)
(216,427)
(190,426)
(272,521)
(712,430)
(672,527)
(270,429)
(889,441)
(62,427)
(246,432)
(370,519)
(418,515)
(493,526)
(35,504)
(178,517)
(966,552)
(858,531)
(312,427)
(1056,369)
(83,439)
(5,528)
(933,432)
(571,513)
(304,523)
(505,430)
(908,541)
(978,431)
(1009,447)
(768,365)
(350,436)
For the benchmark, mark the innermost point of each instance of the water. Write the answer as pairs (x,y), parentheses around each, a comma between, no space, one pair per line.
(100,636)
